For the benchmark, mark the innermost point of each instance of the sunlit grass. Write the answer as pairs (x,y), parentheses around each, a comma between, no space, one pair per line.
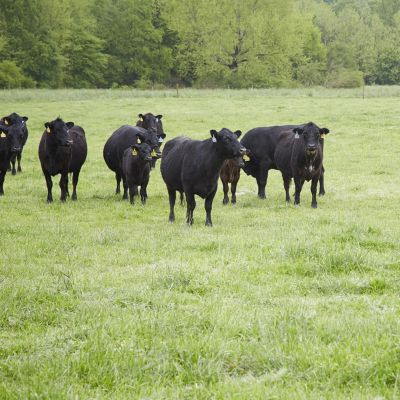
(99,299)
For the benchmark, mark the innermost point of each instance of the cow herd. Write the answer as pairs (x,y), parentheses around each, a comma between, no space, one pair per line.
(190,167)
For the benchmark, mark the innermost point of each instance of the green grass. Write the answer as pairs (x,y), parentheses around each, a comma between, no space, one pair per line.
(99,299)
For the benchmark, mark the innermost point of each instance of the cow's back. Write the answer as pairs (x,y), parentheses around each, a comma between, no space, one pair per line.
(115,146)
(263,140)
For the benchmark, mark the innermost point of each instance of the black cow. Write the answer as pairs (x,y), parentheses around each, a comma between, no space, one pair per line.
(261,143)
(62,149)
(152,123)
(11,120)
(136,170)
(298,154)
(193,166)
(11,137)
(121,139)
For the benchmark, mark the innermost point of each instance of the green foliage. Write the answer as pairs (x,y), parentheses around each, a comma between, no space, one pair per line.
(85,63)
(345,78)
(12,77)
(203,43)
(388,67)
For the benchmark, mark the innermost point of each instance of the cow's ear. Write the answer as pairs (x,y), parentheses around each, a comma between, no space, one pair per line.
(214,135)
(3,130)
(141,116)
(69,124)
(25,119)
(238,133)
(7,121)
(298,131)
(324,131)
(158,116)
(140,138)
(162,135)
(47,125)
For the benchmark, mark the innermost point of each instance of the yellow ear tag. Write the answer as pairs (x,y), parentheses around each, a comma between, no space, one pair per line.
(6,122)
(48,130)
(3,135)
(134,152)
(323,136)
(246,157)
(153,153)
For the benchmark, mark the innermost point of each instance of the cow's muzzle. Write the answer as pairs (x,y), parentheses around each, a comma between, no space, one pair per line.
(16,149)
(67,143)
(311,150)
(156,154)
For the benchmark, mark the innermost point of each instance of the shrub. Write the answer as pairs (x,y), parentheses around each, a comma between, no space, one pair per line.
(11,76)
(345,78)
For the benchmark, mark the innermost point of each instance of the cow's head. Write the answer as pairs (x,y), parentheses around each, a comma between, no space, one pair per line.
(228,145)
(311,135)
(14,129)
(143,151)
(153,123)
(57,131)
(151,139)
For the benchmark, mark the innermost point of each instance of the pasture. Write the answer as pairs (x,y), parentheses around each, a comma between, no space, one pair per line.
(99,299)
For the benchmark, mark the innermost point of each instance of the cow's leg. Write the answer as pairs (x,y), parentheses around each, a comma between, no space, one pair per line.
(132,193)
(262,178)
(298,185)
(125,186)
(13,157)
(64,186)
(143,191)
(286,185)
(225,187)
(182,199)
(172,198)
(321,182)
(191,205)
(19,155)
(314,184)
(2,176)
(49,184)
(118,179)
(208,206)
(75,178)
(233,190)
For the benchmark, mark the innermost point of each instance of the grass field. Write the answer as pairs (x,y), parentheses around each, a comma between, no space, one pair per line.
(102,300)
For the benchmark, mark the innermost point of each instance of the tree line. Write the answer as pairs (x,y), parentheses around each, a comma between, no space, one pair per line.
(200,43)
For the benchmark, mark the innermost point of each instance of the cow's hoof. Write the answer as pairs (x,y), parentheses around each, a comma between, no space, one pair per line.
(74,198)
(49,201)
(321,194)
(14,172)
(313,206)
